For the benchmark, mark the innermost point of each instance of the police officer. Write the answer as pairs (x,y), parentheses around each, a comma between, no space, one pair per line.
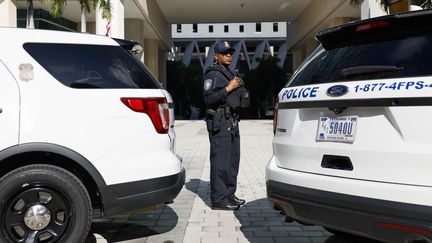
(222,91)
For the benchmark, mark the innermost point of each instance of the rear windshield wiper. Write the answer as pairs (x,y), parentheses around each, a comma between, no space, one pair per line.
(368,69)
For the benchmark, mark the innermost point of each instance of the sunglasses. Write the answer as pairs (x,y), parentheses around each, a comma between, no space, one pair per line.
(226,53)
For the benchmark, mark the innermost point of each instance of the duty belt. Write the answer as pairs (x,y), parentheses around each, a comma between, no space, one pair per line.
(226,111)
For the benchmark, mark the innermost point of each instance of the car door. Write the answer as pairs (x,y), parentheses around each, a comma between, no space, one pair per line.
(9,108)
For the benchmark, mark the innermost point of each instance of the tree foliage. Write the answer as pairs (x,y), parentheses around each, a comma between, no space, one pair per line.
(57,6)
(105,5)
(264,83)
(185,86)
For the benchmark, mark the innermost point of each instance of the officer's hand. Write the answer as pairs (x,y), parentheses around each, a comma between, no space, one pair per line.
(233,85)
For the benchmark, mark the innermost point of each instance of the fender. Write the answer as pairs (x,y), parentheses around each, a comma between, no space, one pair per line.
(58,149)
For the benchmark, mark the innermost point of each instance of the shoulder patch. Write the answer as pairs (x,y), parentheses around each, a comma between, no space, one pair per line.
(207,84)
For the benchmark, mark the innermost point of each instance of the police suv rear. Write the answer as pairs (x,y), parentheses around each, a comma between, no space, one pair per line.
(352,149)
(84,126)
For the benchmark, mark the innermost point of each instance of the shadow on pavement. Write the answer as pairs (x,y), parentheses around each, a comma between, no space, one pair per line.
(200,188)
(135,225)
(262,224)
(113,232)
(349,239)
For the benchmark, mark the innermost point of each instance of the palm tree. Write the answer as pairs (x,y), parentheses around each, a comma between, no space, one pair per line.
(105,5)
(88,5)
(30,19)
(57,7)
(85,8)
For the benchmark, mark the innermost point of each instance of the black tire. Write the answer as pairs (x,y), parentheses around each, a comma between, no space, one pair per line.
(35,188)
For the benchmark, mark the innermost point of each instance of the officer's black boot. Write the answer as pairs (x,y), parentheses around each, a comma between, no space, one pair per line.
(226,206)
(235,200)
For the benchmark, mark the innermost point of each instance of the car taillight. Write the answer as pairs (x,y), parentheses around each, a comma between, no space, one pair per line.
(275,116)
(156,108)
(405,228)
(372,25)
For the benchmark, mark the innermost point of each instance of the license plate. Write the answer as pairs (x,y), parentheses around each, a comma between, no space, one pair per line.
(337,129)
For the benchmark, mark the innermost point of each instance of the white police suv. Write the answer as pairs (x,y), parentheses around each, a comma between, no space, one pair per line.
(83,126)
(352,149)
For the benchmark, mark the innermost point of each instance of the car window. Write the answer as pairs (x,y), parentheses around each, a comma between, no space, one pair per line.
(91,66)
(407,57)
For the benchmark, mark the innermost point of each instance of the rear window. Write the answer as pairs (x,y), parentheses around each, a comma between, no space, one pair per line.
(91,66)
(407,57)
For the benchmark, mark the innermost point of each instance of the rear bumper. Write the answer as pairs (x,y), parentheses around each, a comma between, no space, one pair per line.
(139,194)
(383,220)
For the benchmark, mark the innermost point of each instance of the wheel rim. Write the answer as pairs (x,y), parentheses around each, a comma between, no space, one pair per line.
(36,213)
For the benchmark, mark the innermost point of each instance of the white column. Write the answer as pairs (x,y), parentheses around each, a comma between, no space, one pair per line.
(151,56)
(371,9)
(117,20)
(8,16)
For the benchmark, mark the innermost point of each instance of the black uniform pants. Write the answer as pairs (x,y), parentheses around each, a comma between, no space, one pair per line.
(224,164)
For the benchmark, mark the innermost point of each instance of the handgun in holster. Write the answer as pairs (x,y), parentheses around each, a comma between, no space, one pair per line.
(216,120)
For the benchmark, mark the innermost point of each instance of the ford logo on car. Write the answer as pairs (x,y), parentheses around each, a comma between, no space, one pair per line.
(337,90)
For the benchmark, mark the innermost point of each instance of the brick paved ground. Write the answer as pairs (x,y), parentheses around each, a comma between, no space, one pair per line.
(190,220)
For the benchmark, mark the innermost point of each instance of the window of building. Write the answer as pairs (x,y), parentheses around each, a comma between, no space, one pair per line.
(275,27)
(179,28)
(195,28)
(226,29)
(210,28)
(258,27)
(241,28)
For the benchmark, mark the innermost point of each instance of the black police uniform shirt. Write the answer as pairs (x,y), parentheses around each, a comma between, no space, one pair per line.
(216,96)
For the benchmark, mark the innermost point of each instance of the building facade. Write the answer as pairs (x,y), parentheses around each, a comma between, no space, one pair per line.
(155,24)
(252,41)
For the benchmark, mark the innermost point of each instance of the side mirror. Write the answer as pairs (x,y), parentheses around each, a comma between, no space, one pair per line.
(137,49)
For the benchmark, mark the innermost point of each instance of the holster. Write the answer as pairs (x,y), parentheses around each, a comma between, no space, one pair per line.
(217,117)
